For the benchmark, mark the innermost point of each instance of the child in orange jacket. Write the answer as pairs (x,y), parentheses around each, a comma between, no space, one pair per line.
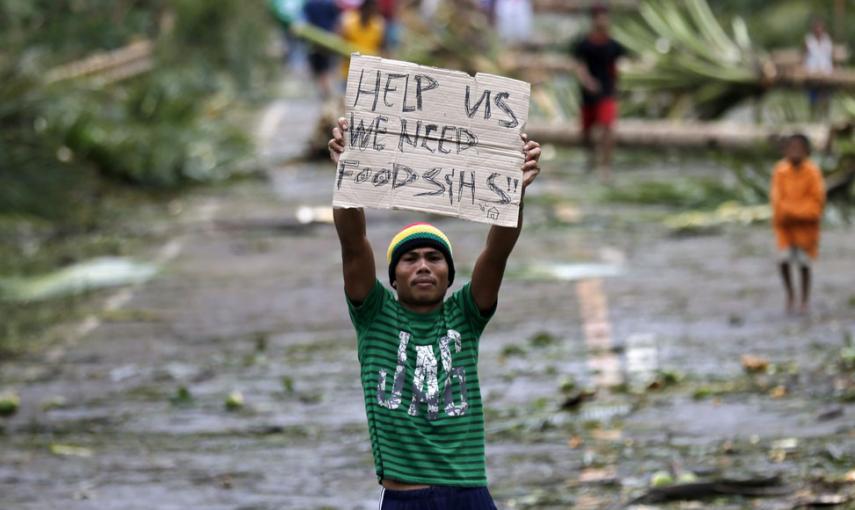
(798,196)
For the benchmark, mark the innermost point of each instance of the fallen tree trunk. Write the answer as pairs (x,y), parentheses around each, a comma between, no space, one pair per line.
(656,133)
(576,6)
(540,66)
(109,66)
(841,78)
(773,486)
(138,57)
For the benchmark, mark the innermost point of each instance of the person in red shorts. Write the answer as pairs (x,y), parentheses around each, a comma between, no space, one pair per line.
(596,57)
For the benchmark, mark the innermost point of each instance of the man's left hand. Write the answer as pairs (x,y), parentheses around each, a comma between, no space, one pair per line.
(532,157)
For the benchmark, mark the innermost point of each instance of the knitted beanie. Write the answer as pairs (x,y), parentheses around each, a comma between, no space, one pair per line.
(419,235)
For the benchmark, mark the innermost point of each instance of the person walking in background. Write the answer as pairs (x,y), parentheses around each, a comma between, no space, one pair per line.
(513,20)
(323,14)
(596,57)
(488,7)
(287,14)
(428,9)
(364,29)
(798,196)
(818,60)
(392,36)
(348,5)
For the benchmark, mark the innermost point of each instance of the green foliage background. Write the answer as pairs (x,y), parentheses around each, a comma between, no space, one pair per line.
(176,125)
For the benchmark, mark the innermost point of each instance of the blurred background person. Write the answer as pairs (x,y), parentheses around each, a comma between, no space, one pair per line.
(489,8)
(798,197)
(818,60)
(392,36)
(428,8)
(596,57)
(323,14)
(364,28)
(348,5)
(513,20)
(287,14)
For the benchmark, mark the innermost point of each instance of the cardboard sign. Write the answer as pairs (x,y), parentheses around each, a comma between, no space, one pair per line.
(432,140)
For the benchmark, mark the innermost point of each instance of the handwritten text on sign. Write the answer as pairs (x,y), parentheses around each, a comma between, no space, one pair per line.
(432,140)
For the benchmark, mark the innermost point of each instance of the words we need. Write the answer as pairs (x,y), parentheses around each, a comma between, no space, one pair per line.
(408,93)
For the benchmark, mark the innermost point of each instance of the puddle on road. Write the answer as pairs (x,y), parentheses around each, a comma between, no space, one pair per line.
(565,271)
(76,279)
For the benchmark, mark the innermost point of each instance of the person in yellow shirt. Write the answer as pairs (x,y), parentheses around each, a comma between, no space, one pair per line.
(364,29)
(798,197)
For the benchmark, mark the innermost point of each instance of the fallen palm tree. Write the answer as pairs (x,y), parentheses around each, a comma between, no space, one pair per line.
(577,6)
(538,65)
(684,52)
(108,66)
(682,134)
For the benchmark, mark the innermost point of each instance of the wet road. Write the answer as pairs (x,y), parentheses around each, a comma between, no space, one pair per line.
(251,301)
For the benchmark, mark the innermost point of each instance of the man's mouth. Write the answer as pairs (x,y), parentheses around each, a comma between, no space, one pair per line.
(424,282)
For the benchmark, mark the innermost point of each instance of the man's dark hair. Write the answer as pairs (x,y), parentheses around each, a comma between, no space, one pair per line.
(598,9)
(800,137)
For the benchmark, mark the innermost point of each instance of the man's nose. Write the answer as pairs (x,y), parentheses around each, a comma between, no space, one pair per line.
(423,266)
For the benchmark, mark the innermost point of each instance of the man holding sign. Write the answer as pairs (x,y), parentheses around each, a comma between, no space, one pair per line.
(418,353)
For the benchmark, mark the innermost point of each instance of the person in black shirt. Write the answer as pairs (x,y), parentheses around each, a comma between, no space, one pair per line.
(596,57)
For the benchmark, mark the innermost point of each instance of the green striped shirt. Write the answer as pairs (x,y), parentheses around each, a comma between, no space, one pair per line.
(420,382)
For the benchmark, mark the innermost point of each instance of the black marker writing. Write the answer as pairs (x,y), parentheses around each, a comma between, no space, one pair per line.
(343,171)
(430,176)
(500,103)
(375,92)
(428,129)
(464,184)
(387,88)
(449,180)
(381,177)
(503,197)
(397,170)
(431,84)
(485,99)
(442,139)
(361,135)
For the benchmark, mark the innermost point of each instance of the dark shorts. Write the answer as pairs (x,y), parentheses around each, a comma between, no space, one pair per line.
(817,94)
(438,498)
(602,113)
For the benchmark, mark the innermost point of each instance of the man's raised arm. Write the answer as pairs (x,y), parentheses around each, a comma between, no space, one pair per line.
(357,257)
(490,266)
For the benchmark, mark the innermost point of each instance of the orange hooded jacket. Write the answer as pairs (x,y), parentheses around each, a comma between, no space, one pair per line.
(798,197)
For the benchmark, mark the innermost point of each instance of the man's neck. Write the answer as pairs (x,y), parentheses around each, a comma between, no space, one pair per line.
(419,308)
(599,36)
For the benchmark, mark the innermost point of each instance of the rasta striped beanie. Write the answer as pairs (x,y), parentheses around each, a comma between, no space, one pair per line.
(419,235)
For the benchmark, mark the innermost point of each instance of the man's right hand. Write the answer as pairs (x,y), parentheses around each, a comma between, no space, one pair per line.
(336,143)
(592,85)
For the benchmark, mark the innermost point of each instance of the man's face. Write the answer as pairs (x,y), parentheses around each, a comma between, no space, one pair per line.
(600,21)
(795,151)
(421,277)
